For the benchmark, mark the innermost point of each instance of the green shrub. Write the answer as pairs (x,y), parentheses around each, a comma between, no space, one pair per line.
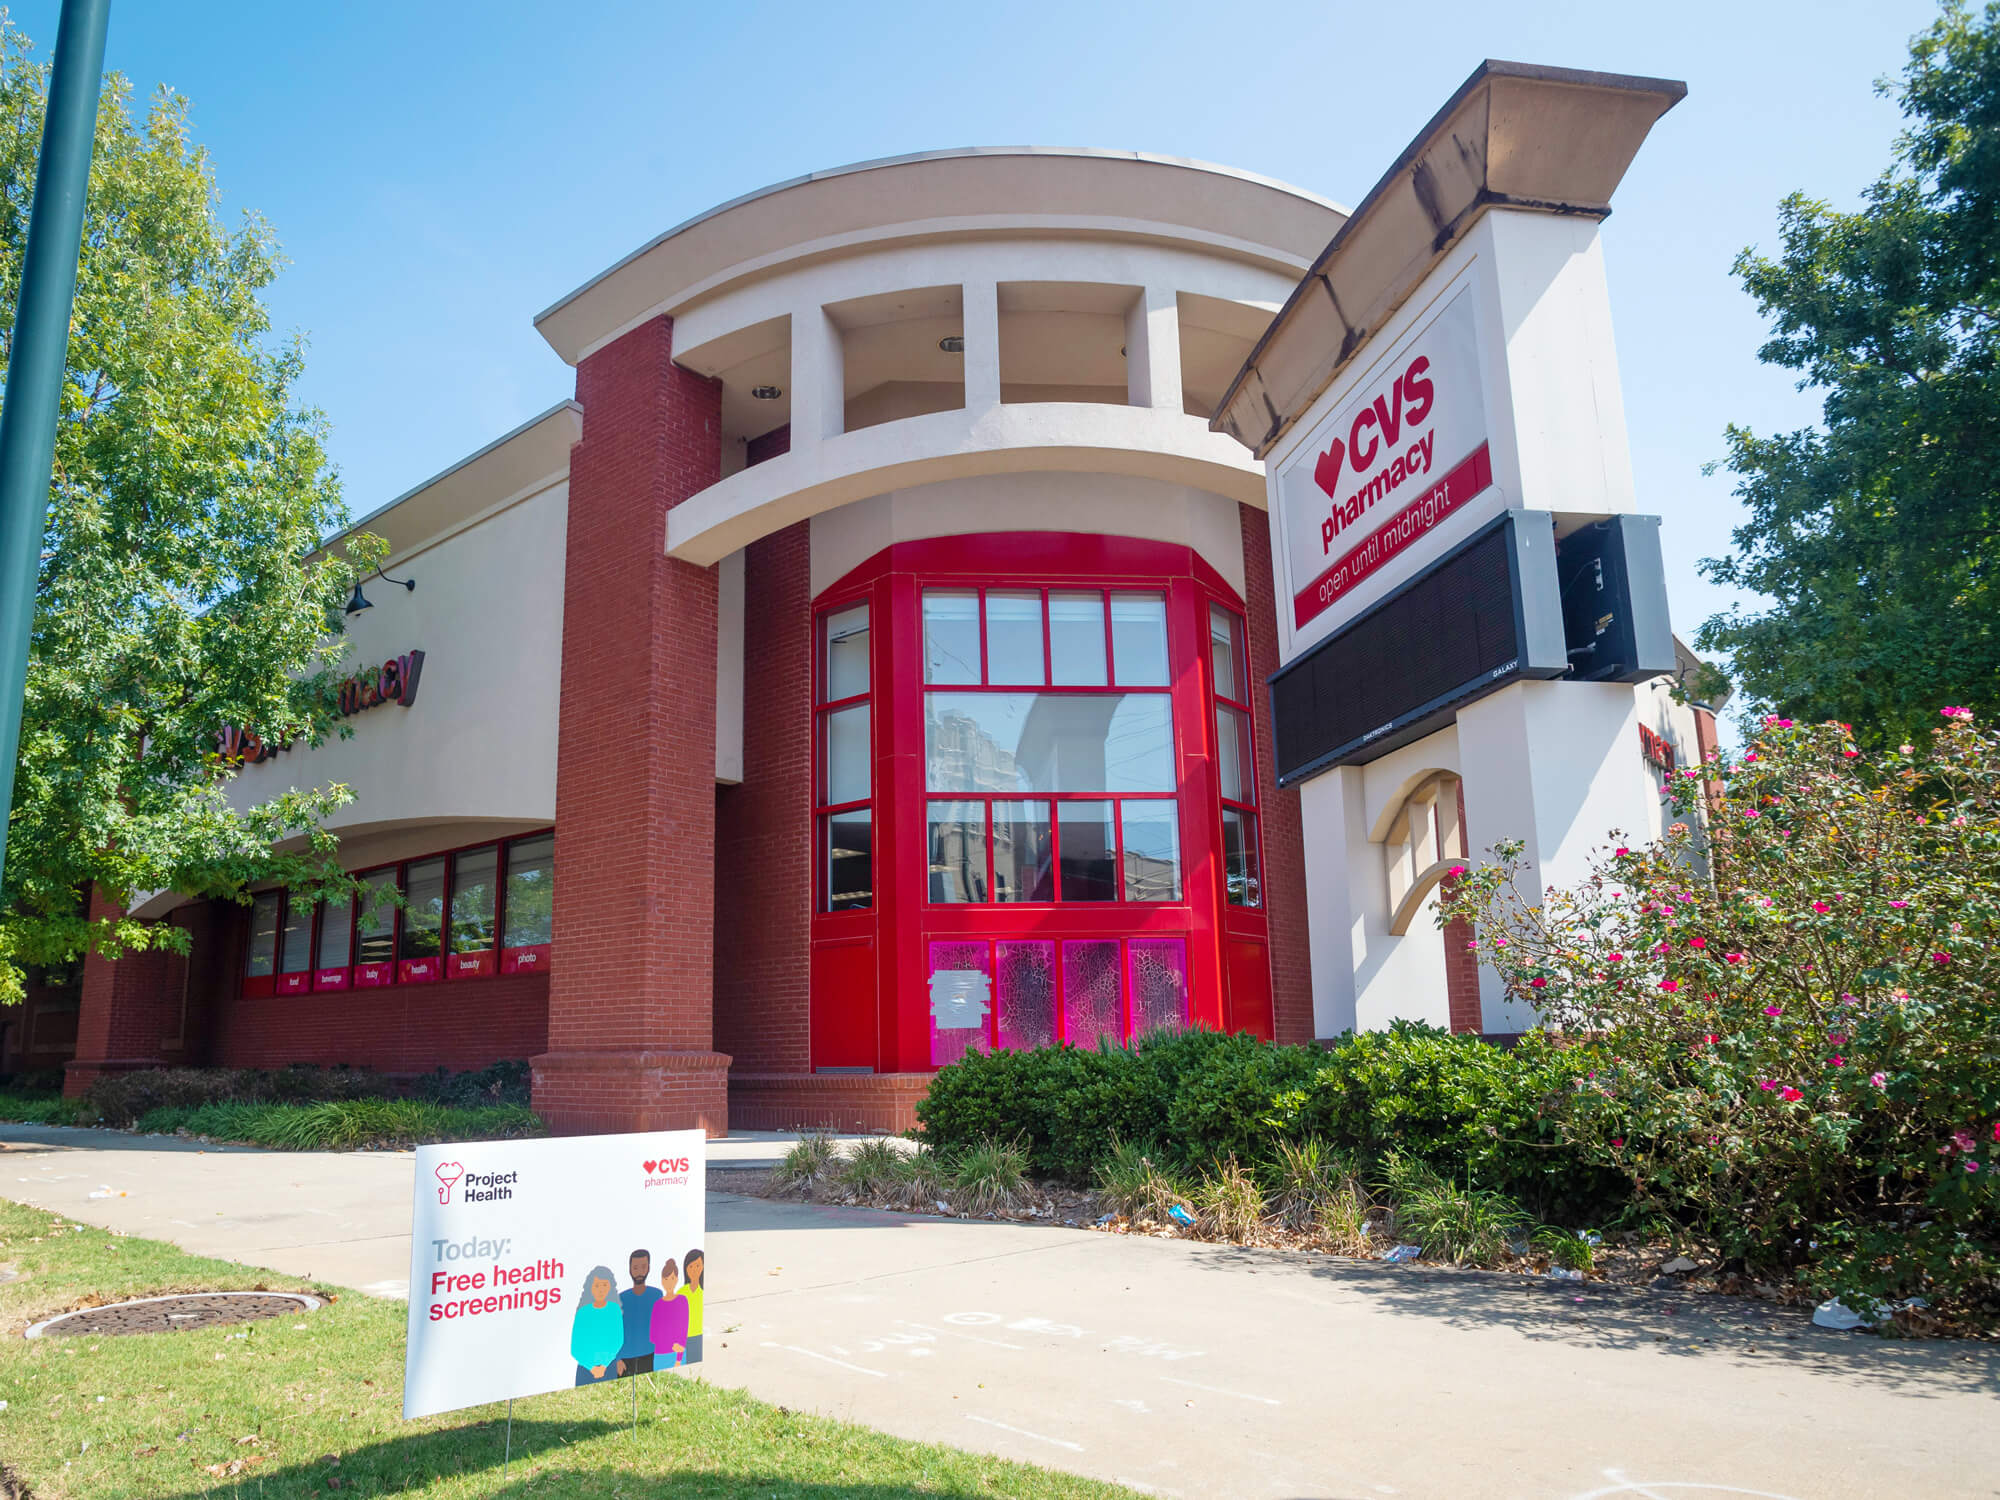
(122,1098)
(1067,1103)
(1450,1221)
(870,1168)
(990,1177)
(1800,1056)
(505,1082)
(342,1125)
(811,1159)
(43,1109)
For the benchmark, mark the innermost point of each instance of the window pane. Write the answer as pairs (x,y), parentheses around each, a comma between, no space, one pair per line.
(850,861)
(847,652)
(1023,855)
(531,891)
(1152,850)
(295,940)
(951,635)
(1232,754)
(1076,639)
(336,934)
(958,851)
(1086,849)
(847,754)
(473,877)
(1139,640)
(263,955)
(1025,992)
(377,925)
(1048,742)
(1014,638)
(1092,992)
(1225,649)
(423,913)
(1157,972)
(961,998)
(1239,858)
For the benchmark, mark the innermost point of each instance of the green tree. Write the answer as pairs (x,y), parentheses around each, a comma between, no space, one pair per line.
(178,589)
(1876,536)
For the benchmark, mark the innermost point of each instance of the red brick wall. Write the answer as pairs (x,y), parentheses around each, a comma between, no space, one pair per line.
(635,765)
(1461,963)
(1284,842)
(763,827)
(129,1006)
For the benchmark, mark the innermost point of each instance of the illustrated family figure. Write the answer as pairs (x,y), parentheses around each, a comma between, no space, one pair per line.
(642,1328)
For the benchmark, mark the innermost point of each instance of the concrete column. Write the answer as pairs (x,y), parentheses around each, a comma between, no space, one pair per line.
(1153,348)
(1557,766)
(981,307)
(631,1007)
(819,378)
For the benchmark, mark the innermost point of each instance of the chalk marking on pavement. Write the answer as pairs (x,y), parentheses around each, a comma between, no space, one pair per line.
(1650,1488)
(1023,1432)
(1216,1390)
(815,1354)
(973,1337)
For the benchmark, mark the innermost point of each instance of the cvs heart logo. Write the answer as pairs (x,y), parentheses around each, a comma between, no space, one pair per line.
(649,1165)
(1326,473)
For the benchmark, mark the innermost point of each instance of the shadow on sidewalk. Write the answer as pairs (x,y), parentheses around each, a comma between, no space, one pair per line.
(1677,1325)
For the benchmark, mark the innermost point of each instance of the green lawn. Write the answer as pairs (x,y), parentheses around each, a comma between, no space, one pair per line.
(310,1405)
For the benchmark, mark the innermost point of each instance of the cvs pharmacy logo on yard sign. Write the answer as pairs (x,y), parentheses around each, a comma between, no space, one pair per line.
(1405,451)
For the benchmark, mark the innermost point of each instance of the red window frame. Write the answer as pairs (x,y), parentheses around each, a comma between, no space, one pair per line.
(499,959)
(868,982)
(824,709)
(1246,808)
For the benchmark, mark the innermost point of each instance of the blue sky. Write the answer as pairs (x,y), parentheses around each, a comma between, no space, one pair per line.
(439,173)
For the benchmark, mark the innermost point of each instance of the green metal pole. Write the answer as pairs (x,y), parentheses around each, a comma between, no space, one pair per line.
(41,347)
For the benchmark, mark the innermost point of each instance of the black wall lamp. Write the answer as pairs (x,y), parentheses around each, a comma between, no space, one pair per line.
(359,601)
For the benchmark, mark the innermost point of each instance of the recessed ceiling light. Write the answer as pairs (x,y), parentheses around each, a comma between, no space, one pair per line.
(767,392)
(952,343)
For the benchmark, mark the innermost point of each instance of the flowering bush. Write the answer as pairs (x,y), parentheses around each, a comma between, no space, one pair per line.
(1799,1014)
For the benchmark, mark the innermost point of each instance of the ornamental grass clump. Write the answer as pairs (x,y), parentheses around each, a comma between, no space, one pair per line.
(991,1177)
(1229,1204)
(810,1161)
(1451,1221)
(922,1179)
(1793,1015)
(869,1169)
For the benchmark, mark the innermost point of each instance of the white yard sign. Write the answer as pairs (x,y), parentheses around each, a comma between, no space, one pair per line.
(538,1265)
(1403,450)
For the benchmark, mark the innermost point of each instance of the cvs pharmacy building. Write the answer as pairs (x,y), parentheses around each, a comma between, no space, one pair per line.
(870,663)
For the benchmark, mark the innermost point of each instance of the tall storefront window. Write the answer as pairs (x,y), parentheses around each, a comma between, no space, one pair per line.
(1045,744)
(845,819)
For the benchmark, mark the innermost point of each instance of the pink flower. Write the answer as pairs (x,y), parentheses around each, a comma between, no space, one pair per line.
(1941,958)
(1670,985)
(1905,749)
(1838,1038)
(1617,958)
(1623,850)
(1768,1084)
(1851,754)
(1963,1140)
(1538,984)
(1836,1061)
(1821,906)
(1956,713)
(1732,958)
(1697,942)
(1996,1130)
(1790,1096)
(1751,756)
(1880,1080)
(1710,1040)
(1456,870)
(1751,812)
(1774,1010)
(1617,1142)
(1971,1165)
(1899,905)
(1499,942)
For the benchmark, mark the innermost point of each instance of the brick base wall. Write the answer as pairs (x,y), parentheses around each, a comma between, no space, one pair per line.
(849,1102)
(404,1028)
(600,1093)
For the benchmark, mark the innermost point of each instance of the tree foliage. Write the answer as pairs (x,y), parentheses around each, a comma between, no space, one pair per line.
(1803,1056)
(177,590)
(1876,536)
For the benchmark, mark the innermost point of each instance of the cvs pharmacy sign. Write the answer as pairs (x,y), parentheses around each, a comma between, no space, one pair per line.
(1404,451)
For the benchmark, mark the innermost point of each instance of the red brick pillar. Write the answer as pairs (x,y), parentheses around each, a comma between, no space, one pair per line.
(631,1036)
(1461,962)
(1284,836)
(128,1008)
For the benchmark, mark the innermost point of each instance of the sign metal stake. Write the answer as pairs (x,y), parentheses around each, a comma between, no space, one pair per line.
(507,1459)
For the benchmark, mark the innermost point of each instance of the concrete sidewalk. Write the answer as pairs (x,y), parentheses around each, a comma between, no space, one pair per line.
(1183,1369)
